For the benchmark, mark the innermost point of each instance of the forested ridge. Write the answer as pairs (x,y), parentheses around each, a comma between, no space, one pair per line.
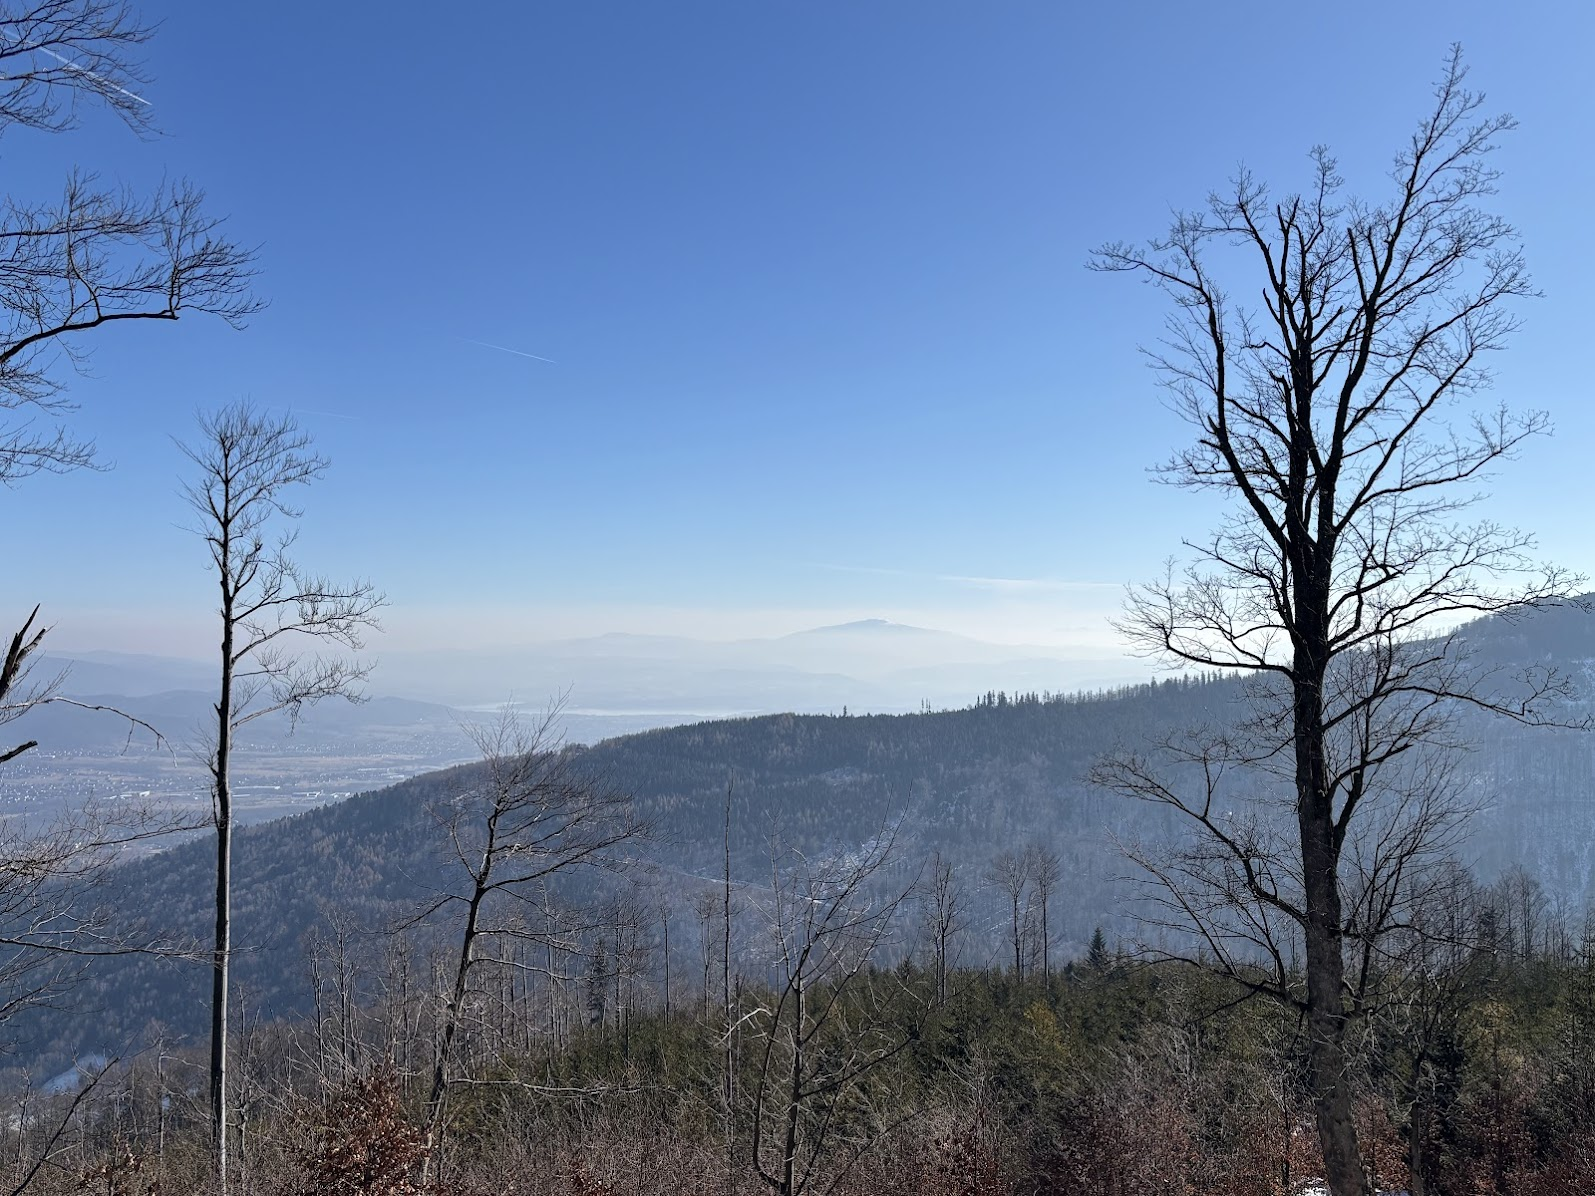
(961,785)
(967,783)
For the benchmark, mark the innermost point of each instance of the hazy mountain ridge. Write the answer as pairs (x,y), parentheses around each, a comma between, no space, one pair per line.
(966,782)
(871,664)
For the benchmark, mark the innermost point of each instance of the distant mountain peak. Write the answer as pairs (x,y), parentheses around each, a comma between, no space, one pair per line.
(871,625)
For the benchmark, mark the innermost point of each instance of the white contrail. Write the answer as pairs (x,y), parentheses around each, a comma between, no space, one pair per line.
(504,349)
(70,65)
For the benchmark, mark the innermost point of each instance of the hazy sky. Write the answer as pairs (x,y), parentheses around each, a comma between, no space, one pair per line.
(810,279)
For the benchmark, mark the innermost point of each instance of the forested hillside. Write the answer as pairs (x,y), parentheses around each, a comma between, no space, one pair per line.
(964,785)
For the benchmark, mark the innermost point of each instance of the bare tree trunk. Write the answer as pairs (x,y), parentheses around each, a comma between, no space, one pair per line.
(451,1026)
(218,1000)
(1043,895)
(1326,1026)
(794,1099)
(1011,872)
(945,905)
(1018,943)
(941,967)
(221,958)
(728,1093)
(1320,852)
(1418,1150)
(553,1016)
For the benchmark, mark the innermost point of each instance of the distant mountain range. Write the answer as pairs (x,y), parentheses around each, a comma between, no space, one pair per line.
(872,665)
(130,674)
(971,783)
(425,703)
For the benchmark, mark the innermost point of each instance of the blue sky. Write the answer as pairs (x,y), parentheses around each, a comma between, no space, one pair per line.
(810,279)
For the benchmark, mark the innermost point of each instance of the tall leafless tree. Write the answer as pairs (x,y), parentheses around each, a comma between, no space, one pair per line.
(706,906)
(247,463)
(1323,413)
(1010,872)
(730,1021)
(945,906)
(536,818)
(1046,870)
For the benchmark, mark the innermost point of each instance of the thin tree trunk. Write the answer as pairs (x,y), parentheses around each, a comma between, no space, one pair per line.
(160,1097)
(1418,1150)
(1046,963)
(794,1099)
(553,1022)
(218,998)
(729,1090)
(451,1025)
(1018,958)
(941,966)
(222,948)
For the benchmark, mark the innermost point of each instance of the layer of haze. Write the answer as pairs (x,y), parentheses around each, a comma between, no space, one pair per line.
(810,284)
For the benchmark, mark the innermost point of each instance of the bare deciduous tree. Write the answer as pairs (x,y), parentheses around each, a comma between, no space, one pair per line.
(247,463)
(1046,870)
(827,1026)
(945,903)
(706,905)
(535,818)
(1010,872)
(1323,414)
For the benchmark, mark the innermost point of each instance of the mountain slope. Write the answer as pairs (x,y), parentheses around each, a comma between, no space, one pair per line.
(968,783)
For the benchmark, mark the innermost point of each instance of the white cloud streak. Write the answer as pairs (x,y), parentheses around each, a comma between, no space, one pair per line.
(70,65)
(506,349)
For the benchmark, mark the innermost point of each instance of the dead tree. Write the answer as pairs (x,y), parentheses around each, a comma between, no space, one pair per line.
(945,908)
(1046,870)
(1010,872)
(829,1023)
(247,463)
(534,819)
(1323,413)
(706,906)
